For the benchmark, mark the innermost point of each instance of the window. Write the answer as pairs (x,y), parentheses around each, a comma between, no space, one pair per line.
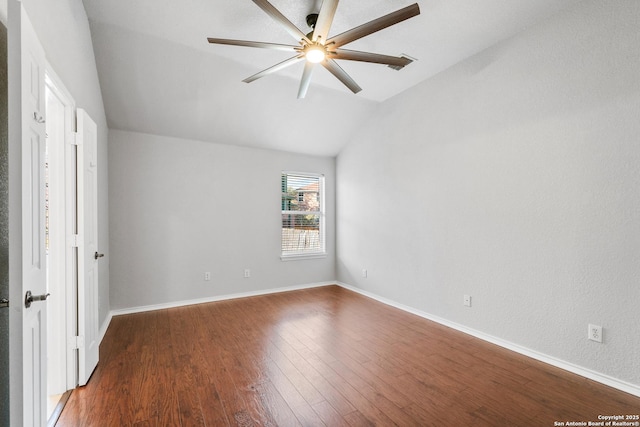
(302,215)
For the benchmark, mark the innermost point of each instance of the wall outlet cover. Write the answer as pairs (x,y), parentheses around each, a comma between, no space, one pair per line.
(595,333)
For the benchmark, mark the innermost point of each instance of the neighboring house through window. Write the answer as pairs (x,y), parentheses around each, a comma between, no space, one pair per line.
(302,215)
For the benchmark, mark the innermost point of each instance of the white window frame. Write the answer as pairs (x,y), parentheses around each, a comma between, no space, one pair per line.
(322,252)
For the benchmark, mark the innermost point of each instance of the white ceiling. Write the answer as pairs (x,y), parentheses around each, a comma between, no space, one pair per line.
(159,75)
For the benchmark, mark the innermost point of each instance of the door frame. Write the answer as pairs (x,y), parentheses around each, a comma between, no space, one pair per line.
(15,218)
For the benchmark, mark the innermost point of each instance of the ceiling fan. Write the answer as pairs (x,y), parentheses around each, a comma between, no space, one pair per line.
(317,48)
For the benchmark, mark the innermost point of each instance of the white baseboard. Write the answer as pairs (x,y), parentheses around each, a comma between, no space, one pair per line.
(567,366)
(105,326)
(141,309)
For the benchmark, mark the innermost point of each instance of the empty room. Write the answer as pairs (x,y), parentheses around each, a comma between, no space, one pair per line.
(321,212)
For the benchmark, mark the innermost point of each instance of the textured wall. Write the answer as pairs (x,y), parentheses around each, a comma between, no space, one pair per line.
(180,208)
(512,177)
(4,231)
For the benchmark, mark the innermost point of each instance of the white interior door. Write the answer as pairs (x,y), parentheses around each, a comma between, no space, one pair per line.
(62,371)
(88,255)
(33,225)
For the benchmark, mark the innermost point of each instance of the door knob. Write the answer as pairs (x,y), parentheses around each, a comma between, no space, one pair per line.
(4,302)
(97,255)
(29,298)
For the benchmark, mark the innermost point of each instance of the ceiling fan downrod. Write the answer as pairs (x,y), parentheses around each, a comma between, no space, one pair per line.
(312,19)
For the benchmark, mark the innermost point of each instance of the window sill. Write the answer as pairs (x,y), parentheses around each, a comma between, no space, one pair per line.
(296,257)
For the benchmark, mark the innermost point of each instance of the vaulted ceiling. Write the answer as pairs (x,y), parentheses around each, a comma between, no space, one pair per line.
(159,74)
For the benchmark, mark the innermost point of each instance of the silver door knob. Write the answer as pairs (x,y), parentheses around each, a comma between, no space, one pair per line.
(29,298)
(4,302)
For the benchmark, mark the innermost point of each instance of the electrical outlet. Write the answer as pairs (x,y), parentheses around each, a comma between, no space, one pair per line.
(364,272)
(595,333)
(467,300)
(207,275)
(247,273)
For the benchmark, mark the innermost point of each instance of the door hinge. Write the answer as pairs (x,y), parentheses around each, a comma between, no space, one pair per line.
(76,343)
(75,139)
(74,240)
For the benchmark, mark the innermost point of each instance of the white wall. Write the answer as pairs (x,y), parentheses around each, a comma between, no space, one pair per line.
(512,177)
(179,208)
(63,30)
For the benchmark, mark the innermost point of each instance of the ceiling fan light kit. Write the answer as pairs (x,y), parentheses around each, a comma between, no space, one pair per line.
(315,53)
(318,48)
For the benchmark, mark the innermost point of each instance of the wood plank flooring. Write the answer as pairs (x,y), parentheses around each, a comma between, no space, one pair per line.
(321,357)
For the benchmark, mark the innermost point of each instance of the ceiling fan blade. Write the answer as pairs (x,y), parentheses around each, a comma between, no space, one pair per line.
(375,25)
(279,17)
(284,64)
(341,75)
(306,79)
(325,18)
(248,43)
(354,55)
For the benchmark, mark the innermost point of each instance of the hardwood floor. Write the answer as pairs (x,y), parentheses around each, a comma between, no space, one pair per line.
(323,356)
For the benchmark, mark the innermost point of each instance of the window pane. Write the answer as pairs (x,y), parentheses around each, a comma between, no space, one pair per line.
(300,193)
(301,233)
